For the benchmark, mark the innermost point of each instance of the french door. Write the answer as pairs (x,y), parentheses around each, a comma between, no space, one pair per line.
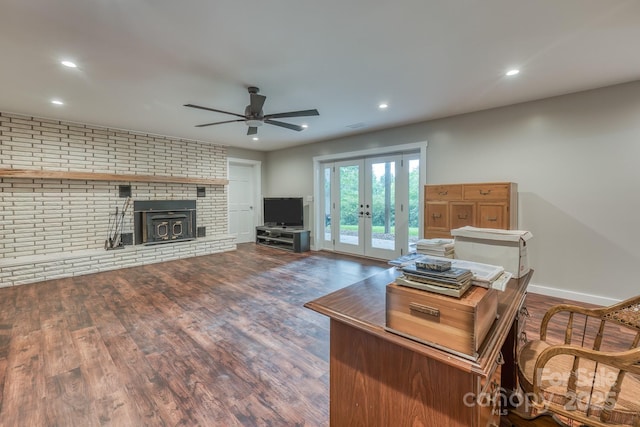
(367,205)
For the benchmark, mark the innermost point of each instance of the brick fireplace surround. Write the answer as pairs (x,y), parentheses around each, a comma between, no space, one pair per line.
(53,228)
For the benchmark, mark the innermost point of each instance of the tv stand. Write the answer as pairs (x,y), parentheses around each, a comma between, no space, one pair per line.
(291,239)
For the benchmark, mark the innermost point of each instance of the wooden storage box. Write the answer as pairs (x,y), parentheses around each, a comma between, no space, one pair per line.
(457,325)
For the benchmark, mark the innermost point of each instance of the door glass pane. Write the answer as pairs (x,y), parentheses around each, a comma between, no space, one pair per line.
(349,177)
(327,204)
(414,203)
(382,210)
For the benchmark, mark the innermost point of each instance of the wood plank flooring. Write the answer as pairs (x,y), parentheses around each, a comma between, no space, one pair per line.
(220,340)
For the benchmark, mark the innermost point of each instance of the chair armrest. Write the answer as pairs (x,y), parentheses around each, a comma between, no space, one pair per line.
(597,312)
(571,309)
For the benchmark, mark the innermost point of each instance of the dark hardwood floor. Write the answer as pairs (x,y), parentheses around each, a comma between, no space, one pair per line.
(220,340)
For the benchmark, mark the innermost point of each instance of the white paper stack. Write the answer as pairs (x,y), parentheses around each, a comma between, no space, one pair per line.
(436,247)
(484,275)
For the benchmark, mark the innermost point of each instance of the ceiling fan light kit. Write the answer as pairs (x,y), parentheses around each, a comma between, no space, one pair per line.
(254,116)
(253,122)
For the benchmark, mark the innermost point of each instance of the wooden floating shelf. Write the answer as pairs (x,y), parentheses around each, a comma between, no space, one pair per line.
(92,176)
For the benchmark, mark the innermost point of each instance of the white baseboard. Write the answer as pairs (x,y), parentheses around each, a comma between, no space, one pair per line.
(571,295)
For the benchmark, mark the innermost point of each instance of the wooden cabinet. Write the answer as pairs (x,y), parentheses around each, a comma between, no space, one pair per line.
(486,205)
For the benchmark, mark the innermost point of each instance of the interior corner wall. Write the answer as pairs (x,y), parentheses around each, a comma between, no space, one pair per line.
(575,159)
(242,153)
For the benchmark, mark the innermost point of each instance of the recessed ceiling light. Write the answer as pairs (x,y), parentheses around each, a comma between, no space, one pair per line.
(68,64)
(512,72)
(383,105)
(255,138)
(305,126)
(57,102)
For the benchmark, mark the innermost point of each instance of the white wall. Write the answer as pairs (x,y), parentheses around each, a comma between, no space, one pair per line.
(575,159)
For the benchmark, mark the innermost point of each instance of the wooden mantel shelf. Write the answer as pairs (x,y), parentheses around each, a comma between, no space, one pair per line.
(93,176)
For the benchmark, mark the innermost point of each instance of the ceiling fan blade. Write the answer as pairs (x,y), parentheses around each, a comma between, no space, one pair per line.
(252,130)
(213,109)
(301,113)
(257,101)
(219,123)
(284,125)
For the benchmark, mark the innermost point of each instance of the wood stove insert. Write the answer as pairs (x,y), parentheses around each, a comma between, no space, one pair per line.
(164,221)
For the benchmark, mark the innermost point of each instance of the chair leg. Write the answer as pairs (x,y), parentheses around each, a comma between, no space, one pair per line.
(559,421)
(528,416)
(562,422)
(542,413)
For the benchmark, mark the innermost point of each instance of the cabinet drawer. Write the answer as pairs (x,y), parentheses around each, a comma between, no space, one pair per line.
(443,192)
(462,214)
(486,191)
(458,325)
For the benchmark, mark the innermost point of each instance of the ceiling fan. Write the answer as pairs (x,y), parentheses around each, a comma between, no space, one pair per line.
(253,115)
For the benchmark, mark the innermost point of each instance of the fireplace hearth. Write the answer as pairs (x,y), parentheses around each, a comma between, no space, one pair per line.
(164,221)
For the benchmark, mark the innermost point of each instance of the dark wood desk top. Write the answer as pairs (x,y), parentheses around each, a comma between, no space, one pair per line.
(363,306)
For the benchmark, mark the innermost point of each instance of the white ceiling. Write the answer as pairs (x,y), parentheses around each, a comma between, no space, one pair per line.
(139,61)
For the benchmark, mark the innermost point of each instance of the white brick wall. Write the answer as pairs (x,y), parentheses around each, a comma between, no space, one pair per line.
(43,222)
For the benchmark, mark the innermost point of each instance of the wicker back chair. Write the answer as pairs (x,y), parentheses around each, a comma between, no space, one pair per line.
(579,380)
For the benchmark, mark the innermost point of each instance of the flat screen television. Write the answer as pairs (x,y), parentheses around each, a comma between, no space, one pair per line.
(283,211)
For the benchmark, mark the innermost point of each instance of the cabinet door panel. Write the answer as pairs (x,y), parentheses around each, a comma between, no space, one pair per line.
(437,216)
(443,192)
(462,214)
(493,215)
(488,401)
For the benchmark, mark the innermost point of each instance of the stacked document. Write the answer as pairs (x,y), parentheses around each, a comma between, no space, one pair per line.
(407,259)
(484,275)
(435,247)
(438,276)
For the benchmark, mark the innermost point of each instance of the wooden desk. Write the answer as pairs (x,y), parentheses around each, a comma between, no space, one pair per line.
(378,378)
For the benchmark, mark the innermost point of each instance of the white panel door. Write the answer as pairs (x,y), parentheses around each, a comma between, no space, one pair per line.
(382,207)
(348,219)
(242,197)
